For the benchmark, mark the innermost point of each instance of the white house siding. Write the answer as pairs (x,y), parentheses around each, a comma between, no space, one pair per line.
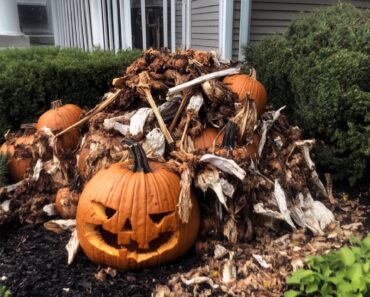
(273,16)
(236,26)
(178,21)
(205,24)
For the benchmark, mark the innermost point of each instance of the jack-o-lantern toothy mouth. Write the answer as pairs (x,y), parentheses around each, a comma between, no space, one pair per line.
(123,240)
(165,240)
(112,240)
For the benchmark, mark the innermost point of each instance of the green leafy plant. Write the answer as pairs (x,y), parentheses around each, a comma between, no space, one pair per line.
(320,69)
(3,169)
(4,292)
(342,273)
(31,78)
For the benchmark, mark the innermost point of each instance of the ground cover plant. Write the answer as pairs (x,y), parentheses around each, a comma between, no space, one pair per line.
(4,292)
(320,69)
(343,273)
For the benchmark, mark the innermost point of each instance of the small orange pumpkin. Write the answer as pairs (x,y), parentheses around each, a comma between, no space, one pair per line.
(229,148)
(205,140)
(241,84)
(57,119)
(127,215)
(66,203)
(18,164)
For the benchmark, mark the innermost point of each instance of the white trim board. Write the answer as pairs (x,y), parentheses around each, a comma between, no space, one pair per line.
(165,23)
(226,29)
(244,28)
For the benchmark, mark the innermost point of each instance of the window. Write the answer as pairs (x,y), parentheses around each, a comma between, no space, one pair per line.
(34,19)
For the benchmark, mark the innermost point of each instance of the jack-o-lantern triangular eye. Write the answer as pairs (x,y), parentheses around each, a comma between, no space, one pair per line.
(109,212)
(157,218)
(102,212)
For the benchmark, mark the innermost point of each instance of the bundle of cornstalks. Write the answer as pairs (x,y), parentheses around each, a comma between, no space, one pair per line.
(203,120)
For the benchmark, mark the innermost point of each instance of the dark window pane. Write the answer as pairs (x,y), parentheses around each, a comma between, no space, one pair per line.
(137,39)
(33,19)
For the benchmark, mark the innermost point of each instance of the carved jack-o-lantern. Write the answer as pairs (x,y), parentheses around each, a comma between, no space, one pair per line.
(127,215)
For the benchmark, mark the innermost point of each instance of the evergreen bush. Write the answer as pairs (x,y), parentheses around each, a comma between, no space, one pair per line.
(320,69)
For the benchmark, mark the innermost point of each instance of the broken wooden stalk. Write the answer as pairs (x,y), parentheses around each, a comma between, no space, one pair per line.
(97,109)
(181,108)
(202,79)
(249,118)
(157,114)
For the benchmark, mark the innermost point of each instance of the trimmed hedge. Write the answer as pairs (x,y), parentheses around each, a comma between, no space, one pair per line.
(320,69)
(31,78)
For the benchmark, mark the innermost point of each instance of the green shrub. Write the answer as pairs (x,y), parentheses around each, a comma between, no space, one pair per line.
(320,69)
(31,78)
(4,292)
(342,273)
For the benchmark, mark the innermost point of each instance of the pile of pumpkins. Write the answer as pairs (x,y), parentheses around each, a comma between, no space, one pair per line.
(127,214)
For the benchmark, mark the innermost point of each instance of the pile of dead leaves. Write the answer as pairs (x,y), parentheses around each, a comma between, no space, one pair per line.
(167,101)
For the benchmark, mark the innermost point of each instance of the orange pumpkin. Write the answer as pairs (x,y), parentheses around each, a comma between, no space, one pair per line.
(66,203)
(18,164)
(127,215)
(205,140)
(241,84)
(57,119)
(229,148)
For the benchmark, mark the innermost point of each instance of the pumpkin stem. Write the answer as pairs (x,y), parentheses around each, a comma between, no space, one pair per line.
(229,138)
(140,160)
(56,104)
(254,73)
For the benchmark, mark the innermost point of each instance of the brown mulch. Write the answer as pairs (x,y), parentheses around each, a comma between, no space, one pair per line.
(33,262)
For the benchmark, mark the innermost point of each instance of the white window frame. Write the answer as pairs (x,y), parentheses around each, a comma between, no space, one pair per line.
(173,25)
(165,25)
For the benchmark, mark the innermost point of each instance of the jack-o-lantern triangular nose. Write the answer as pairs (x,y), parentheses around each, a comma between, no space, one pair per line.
(127,226)
(124,237)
